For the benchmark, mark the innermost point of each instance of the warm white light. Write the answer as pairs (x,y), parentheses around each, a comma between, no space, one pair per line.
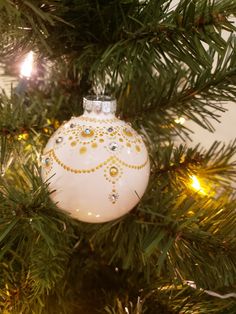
(180,120)
(27,65)
(196,185)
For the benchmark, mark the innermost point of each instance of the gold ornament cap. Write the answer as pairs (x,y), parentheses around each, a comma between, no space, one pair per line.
(99,104)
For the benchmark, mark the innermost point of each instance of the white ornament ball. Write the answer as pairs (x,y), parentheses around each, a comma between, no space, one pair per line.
(97,166)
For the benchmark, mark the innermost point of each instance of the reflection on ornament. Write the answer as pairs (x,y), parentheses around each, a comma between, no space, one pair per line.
(97,107)
(88,163)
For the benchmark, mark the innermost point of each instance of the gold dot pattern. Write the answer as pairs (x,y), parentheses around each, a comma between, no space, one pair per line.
(83,150)
(112,177)
(90,135)
(128,133)
(138,149)
(93,120)
(94,145)
(113,159)
(85,137)
(114,171)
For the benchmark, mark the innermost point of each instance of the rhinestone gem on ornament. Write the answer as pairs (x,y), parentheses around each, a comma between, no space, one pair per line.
(113,146)
(59,140)
(110,129)
(87,132)
(72,125)
(47,162)
(113,197)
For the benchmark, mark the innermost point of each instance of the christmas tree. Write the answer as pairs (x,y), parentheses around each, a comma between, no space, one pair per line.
(175,251)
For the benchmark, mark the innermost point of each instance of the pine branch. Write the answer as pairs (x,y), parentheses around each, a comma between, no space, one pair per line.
(184,93)
(26,21)
(32,233)
(169,224)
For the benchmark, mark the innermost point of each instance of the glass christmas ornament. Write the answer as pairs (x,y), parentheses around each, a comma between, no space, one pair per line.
(97,166)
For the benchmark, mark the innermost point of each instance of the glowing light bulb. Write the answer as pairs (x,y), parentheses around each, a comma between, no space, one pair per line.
(195,184)
(180,120)
(27,65)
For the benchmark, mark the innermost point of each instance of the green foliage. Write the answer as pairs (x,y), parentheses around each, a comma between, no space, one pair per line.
(161,62)
(32,234)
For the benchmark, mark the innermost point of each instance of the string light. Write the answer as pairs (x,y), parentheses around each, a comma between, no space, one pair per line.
(195,184)
(212,293)
(23,136)
(180,120)
(26,70)
(193,285)
(27,65)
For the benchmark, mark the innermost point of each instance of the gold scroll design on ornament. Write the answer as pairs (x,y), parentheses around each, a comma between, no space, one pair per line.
(111,158)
